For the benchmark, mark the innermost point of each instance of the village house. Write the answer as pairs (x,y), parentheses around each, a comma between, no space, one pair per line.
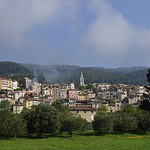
(17,108)
(72,101)
(84,111)
(14,85)
(35,87)
(56,92)
(96,103)
(132,99)
(26,82)
(122,95)
(5,84)
(31,101)
(4,97)
(47,90)
(102,86)
(82,97)
(73,94)
(63,93)
(19,94)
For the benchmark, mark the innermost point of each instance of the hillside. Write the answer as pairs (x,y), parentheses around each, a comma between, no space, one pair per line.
(68,73)
(14,69)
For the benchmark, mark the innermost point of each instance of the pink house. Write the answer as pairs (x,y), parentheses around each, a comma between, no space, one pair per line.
(73,94)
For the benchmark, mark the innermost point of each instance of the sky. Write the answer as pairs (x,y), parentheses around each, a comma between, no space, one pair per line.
(101,33)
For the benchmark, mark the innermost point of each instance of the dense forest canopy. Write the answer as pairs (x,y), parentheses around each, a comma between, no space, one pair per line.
(9,69)
(70,73)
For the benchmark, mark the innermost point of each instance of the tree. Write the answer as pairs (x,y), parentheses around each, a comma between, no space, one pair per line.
(145,104)
(109,100)
(124,122)
(129,109)
(102,108)
(63,110)
(75,124)
(42,119)
(102,123)
(2,91)
(82,87)
(89,86)
(144,122)
(5,122)
(5,104)
(18,125)
(10,124)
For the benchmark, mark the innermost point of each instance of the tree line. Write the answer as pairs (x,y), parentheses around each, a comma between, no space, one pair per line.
(68,73)
(56,118)
(40,119)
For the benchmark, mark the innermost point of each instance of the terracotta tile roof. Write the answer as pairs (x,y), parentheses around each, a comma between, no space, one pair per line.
(75,108)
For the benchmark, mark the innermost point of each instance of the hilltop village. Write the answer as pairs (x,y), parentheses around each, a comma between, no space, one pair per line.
(82,101)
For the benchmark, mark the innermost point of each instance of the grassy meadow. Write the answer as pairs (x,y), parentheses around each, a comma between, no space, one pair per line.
(80,142)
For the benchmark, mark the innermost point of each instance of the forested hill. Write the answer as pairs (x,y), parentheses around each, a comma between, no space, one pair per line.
(68,73)
(14,69)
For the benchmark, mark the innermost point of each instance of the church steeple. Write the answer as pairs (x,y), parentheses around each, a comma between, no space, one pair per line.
(81,79)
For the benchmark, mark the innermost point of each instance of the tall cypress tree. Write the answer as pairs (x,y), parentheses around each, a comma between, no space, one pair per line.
(145,104)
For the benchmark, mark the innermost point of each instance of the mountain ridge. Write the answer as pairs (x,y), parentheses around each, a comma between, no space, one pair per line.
(68,73)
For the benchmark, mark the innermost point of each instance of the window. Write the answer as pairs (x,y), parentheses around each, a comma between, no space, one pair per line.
(92,111)
(78,111)
(85,111)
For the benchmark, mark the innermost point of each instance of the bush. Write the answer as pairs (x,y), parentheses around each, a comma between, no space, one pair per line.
(124,122)
(102,123)
(75,124)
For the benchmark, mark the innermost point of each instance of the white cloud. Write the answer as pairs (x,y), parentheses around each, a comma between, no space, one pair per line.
(110,34)
(19,17)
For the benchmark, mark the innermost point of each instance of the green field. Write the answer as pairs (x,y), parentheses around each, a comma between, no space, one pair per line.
(80,142)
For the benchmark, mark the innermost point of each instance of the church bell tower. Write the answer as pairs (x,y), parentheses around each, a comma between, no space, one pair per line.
(81,79)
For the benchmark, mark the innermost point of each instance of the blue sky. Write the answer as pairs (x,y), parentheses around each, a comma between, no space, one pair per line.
(104,33)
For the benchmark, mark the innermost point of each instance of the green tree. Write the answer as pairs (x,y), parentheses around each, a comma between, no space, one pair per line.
(42,119)
(144,122)
(124,122)
(10,124)
(145,104)
(82,87)
(5,104)
(75,124)
(18,125)
(5,122)
(109,100)
(102,123)
(129,109)
(102,108)
(90,86)
(63,110)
